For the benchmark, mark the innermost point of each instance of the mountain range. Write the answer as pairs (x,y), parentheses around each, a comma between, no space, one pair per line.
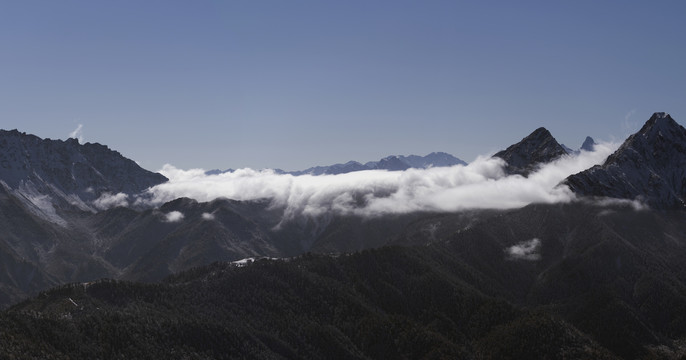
(391,163)
(518,153)
(599,277)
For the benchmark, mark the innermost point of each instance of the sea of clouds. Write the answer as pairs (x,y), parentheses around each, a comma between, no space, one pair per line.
(482,184)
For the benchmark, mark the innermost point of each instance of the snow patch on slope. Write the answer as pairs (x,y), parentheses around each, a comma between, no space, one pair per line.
(38,203)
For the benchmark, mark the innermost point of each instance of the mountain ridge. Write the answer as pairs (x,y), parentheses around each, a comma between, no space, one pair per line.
(650,166)
(391,163)
(467,290)
(599,279)
(70,174)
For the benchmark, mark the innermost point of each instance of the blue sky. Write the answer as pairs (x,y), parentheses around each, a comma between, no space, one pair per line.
(291,84)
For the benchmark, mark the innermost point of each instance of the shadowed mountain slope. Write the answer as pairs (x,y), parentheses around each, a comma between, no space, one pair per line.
(545,281)
(650,166)
(75,171)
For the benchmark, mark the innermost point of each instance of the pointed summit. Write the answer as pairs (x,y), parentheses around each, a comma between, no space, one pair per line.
(589,144)
(659,140)
(650,166)
(658,124)
(538,148)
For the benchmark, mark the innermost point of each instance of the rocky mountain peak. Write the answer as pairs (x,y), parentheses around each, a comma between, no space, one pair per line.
(658,141)
(649,166)
(540,132)
(537,148)
(589,144)
(660,125)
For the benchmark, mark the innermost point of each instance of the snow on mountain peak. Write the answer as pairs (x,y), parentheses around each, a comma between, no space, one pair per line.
(660,115)
(657,123)
(650,165)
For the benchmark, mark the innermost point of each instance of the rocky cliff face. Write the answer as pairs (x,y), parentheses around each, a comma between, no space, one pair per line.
(46,172)
(650,166)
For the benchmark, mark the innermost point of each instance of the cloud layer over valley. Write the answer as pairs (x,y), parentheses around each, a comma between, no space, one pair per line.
(480,185)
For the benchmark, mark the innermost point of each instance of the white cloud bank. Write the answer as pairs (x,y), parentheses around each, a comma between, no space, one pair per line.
(481,184)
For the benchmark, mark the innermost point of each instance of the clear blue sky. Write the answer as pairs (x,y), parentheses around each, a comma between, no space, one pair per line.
(291,84)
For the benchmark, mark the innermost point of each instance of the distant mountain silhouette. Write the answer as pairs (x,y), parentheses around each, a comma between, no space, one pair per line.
(391,163)
(589,144)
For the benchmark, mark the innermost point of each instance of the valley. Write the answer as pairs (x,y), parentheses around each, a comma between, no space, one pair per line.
(598,275)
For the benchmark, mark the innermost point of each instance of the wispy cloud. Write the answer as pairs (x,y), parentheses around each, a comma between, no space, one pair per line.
(628,126)
(107,200)
(481,184)
(525,250)
(635,204)
(77,133)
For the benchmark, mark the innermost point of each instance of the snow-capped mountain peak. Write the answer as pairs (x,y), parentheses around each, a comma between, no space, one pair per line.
(649,166)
